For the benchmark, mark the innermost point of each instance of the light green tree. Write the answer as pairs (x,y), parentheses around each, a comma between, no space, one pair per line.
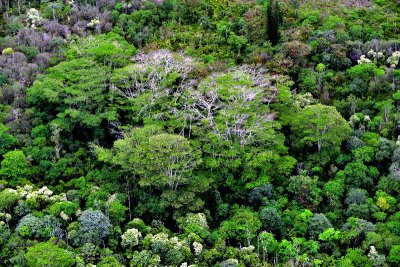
(242,226)
(109,49)
(109,261)
(7,199)
(15,168)
(329,235)
(394,255)
(131,238)
(49,255)
(167,160)
(7,141)
(268,244)
(145,258)
(160,159)
(321,127)
(73,94)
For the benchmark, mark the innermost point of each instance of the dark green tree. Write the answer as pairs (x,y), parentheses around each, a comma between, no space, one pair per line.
(271,219)
(274,20)
(318,224)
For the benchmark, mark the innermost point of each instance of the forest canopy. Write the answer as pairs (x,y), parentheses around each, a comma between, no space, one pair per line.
(198,133)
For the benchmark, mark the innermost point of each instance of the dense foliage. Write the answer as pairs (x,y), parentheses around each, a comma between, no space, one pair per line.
(199,133)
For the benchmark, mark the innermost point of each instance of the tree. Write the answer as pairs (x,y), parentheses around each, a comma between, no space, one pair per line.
(232,114)
(296,51)
(144,258)
(15,168)
(166,160)
(329,235)
(242,226)
(65,209)
(268,244)
(116,211)
(260,193)
(336,57)
(7,199)
(394,255)
(356,196)
(237,44)
(109,261)
(321,127)
(385,201)
(47,254)
(160,160)
(93,227)
(274,20)
(359,205)
(229,263)
(355,257)
(7,141)
(318,224)
(287,250)
(296,221)
(271,219)
(305,190)
(108,49)
(153,79)
(334,190)
(35,227)
(74,95)
(358,175)
(355,230)
(131,238)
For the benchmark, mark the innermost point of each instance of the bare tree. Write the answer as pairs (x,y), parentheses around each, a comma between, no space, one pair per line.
(236,105)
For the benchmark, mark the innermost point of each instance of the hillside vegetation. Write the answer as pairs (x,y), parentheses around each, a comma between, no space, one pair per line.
(199,133)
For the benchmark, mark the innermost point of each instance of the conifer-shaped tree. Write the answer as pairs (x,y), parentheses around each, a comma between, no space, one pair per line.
(274,20)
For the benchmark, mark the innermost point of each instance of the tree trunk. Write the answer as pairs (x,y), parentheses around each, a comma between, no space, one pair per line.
(129,200)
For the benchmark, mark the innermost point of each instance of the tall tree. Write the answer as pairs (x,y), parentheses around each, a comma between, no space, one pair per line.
(274,20)
(160,160)
(47,254)
(321,127)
